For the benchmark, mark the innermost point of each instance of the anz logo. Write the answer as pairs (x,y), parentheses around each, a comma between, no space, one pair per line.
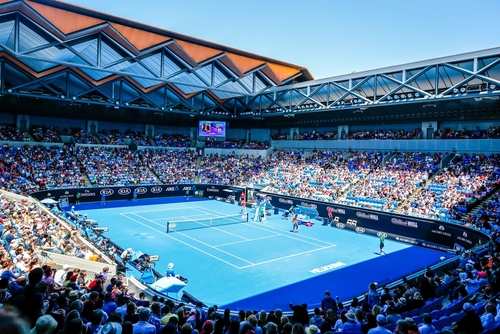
(107,192)
(186,188)
(156,190)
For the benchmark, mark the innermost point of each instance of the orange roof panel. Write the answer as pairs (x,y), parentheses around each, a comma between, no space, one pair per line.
(197,52)
(245,64)
(141,39)
(4,1)
(283,72)
(65,21)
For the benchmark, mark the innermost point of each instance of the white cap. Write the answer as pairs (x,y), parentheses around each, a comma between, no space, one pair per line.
(66,266)
(170,265)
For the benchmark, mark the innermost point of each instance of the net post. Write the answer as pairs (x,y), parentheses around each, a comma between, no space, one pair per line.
(168,227)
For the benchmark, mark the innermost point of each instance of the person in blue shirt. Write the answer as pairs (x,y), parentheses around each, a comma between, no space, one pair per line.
(170,270)
(103,199)
(134,195)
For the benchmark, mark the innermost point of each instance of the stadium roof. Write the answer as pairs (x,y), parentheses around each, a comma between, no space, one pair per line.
(57,51)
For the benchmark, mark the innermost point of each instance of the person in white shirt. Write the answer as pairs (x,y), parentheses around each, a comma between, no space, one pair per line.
(60,275)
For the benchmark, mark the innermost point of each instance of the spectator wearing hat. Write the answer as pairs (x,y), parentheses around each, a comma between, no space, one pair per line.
(142,326)
(312,329)
(111,328)
(381,322)
(46,324)
(470,323)
(401,305)
(426,326)
(351,325)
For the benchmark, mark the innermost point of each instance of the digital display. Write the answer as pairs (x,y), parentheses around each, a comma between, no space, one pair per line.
(212,129)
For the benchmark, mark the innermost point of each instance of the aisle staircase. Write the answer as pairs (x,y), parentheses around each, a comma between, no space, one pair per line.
(416,193)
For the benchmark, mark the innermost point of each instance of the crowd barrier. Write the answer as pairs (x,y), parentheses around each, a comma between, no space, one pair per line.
(442,236)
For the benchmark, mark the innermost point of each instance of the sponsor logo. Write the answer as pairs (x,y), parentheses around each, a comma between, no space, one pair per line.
(309,205)
(407,240)
(340,225)
(49,194)
(407,223)
(441,231)
(107,192)
(379,234)
(186,188)
(170,189)
(465,240)
(213,189)
(66,192)
(465,234)
(359,230)
(437,247)
(141,190)
(336,210)
(156,190)
(124,191)
(366,215)
(327,267)
(351,222)
(286,201)
(87,193)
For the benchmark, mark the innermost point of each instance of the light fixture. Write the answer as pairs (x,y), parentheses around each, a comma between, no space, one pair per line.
(429,105)
(417,94)
(455,90)
(9,90)
(410,95)
(126,103)
(117,103)
(62,96)
(463,90)
(403,96)
(493,86)
(74,98)
(396,97)
(389,98)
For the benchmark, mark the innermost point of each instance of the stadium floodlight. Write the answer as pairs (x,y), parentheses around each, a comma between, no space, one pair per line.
(463,90)
(493,86)
(417,94)
(403,96)
(455,90)
(396,97)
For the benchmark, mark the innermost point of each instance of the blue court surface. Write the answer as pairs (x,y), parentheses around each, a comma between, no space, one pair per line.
(256,265)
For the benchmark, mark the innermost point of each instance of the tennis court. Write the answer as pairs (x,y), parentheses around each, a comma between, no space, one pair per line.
(261,265)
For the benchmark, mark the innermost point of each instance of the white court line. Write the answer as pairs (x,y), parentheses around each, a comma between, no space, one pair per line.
(246,240)
(182,242)
(203,243)
(166,209)
(286,257)
(176,218)
(280,232)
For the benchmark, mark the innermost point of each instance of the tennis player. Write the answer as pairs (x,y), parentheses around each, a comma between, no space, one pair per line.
(382,244)
(295,221)
(243,206)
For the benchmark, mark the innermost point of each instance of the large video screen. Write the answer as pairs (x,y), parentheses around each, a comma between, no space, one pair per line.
(212,129)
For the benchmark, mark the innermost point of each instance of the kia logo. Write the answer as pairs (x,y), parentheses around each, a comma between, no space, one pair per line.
(340,225)
(360,230)
(141,190)
(124,191)
(156,190)
(107,192)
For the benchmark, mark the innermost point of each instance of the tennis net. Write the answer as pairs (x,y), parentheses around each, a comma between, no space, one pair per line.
(192,224)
